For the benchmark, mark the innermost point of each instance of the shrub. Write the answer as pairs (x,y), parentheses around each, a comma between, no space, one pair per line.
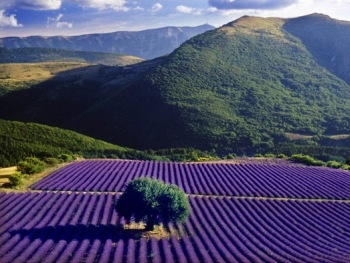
(334,164)
(31,165)
(51,161)
(269,155)
(230,156)
(153,202)
(282,156)
(16,179)
(66,157)
(306,159)
(345,167)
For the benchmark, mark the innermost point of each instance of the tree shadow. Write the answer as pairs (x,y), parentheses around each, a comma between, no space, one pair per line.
(79,233)
(82,232)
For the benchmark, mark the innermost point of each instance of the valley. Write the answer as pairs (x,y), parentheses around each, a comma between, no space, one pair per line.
(250,120)
(240,89)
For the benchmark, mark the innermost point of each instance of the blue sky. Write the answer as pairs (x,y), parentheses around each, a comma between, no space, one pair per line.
(76,17)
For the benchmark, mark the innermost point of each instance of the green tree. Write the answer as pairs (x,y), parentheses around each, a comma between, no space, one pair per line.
(15,179)
(153,202)
(31,165)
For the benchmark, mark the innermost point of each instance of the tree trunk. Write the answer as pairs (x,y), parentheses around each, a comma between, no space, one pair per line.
(150,224)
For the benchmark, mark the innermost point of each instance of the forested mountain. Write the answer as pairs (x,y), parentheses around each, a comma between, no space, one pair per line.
(145,44)
(240,88)
(19,140)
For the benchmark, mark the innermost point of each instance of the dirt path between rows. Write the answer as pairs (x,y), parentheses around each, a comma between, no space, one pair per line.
(291,199)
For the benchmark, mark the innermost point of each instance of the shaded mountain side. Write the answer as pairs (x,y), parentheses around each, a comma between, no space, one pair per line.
(145,44)
(99,101)
(239,88)
(36,55)
(326,39)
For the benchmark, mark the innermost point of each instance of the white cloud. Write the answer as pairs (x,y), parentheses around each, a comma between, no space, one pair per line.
(58,23)
(8,20)
(58,18)
(184,9)
(195,11)
(39,4)
(339,9)
(156,7)
(56,4)
(341,2)
(64,24)
(118,5)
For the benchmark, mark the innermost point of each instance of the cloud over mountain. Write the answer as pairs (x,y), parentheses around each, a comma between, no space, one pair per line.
(58,22)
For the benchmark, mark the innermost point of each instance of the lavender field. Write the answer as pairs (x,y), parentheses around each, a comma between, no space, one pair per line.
(260,180)
(239,213)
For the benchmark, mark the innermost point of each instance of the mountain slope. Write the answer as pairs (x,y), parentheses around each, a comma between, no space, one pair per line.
(146,44)
(327,39)
(19,140)
(239,88)
(25,75)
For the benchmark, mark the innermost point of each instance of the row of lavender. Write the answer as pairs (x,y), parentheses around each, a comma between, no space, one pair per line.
(78,227)
(204,178)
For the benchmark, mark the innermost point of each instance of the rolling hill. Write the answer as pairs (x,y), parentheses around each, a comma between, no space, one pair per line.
(37,55)
(146,44)
(21,68)
(240,88)
(19,140)
(15,76)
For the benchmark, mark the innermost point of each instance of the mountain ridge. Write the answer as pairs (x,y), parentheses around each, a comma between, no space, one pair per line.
(147,44)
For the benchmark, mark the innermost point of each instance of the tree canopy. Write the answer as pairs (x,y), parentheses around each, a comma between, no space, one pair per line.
(153,202)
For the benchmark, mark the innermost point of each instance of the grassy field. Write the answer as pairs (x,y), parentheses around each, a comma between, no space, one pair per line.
(5,173)
(23,75)
(33,72)
(27,180)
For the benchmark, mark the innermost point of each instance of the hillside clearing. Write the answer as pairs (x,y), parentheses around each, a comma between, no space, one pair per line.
(19,76)
(5,173)
(297,136)
(36,72)
(28,180)
(8,171)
